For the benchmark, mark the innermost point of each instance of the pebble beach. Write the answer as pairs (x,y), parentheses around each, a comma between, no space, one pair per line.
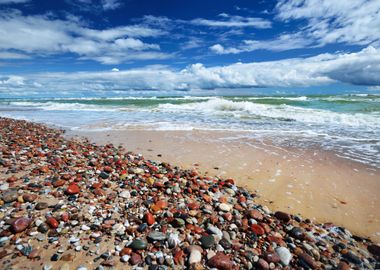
(73,204)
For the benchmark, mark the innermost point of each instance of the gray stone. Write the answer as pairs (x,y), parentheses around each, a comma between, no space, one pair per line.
(284,254)
(157,236)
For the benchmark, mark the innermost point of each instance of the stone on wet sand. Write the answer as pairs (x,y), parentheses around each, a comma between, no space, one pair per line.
(282,216)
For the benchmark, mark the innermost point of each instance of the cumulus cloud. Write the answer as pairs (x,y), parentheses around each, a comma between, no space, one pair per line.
(353,22)
(317,70)
(329,21)
(42,35)
(233,21)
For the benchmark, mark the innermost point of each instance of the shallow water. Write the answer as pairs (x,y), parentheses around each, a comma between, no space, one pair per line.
(346,124)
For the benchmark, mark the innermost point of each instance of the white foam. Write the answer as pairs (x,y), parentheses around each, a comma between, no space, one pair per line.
(281,112)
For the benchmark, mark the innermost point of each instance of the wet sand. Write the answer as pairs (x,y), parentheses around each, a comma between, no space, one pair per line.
(314,183)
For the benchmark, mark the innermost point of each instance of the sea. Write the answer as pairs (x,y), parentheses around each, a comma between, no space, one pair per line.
(348,124)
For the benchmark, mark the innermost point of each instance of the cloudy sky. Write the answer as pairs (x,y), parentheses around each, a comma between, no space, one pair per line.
(111,46)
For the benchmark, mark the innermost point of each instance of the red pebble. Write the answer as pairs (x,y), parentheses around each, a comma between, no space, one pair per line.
(65,217)
(20,224)
(257,229)
(72,189)
(107,169)
(149,218)
(179,257)
(52,222)
(193,206)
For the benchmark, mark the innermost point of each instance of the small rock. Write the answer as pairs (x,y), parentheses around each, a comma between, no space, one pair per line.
(350,256)
(72,189)
(195,254)
(149,218)
(308,260)
(374,249)
(262,264)
(221,262)
(282,216)
(52,222)
(55,257)
(135,259)
(343,266)
(207,241)
(20,224)
(225,207)
(10,196)
(41,206)
(139,244)
(157,236)
(284,254)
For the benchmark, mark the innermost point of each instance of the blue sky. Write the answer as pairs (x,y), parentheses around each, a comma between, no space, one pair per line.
(111,46)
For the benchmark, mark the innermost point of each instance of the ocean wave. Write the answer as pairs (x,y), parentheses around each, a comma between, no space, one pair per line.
(56,106)
(282,112)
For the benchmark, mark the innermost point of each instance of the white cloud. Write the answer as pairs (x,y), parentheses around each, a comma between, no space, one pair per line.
(13,1)
(354,22)
(282,43)
(360,68)
(111,4)
(330,21)
(11,81)
(42,36)
(192,43)
(233,21)
(115,70)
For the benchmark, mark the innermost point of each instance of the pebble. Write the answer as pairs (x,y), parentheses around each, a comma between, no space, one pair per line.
(284,254)
(225,207)
(139,244)
(221,262)
(207,241)
(282,216)
(10,196)
(135,259)
(21,224)
(195,254)
(173,240)
(41,206)
(157,236)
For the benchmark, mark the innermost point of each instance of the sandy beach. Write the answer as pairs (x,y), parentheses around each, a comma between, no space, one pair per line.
(69,203)
(314,183)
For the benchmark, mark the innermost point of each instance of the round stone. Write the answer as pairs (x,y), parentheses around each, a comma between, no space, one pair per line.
(157,236)
(284,254)
(207,241)
(20,224)
(139,244)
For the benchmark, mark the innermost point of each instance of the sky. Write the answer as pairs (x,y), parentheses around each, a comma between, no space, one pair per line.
(86,47)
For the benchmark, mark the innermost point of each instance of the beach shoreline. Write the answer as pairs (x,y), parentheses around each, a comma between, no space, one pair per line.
(311,182)
(69,203)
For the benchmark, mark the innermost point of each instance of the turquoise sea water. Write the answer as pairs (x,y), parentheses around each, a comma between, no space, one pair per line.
(347,124)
